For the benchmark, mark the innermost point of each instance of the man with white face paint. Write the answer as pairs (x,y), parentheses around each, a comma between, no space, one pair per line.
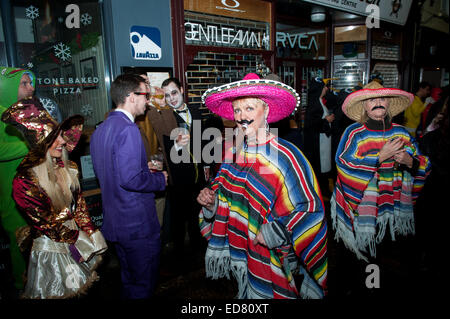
(187,177)
(173,93)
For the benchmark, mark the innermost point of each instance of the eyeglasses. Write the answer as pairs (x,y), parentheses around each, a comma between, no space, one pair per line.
(147,95)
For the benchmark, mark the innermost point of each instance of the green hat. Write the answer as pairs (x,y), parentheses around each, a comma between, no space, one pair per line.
(9,84)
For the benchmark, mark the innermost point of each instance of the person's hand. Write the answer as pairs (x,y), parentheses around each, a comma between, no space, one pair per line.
(158,99)
(165,175)
(207,198)
(155,165)
(438,118)
(402,157)
(259,239)
(182,139)
(207,171)
(330,118)
(390,148)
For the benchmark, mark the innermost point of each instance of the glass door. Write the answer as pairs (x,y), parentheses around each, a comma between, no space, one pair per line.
(349,74)
(287,72)
(350,56)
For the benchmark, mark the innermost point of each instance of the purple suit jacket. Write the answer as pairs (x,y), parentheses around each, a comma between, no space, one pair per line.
(120,164)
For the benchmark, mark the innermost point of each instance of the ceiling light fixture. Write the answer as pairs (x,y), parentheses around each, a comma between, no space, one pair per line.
(318,14)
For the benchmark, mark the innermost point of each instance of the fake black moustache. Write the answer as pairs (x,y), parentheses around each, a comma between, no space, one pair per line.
(245,122)
(378,107)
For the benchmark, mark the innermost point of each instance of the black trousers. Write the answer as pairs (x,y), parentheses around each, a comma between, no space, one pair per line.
(184,211)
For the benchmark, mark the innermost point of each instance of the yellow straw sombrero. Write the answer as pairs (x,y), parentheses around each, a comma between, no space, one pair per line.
(354,103)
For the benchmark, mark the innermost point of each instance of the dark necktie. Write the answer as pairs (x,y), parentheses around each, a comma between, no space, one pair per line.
(183,111)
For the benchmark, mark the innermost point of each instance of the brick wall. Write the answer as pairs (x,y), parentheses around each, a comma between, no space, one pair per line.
(211,69)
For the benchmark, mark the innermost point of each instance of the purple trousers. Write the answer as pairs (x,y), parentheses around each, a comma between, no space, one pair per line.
(139,266)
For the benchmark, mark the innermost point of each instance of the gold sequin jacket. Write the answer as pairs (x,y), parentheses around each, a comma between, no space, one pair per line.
(42,216)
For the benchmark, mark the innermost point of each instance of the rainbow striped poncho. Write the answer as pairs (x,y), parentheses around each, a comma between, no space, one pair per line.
(270,188)
(370,196)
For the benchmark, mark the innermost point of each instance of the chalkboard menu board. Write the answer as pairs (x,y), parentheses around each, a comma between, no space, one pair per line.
(389,73)
(94,204)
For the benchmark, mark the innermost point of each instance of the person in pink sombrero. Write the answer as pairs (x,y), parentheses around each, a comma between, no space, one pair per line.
(380,171)
(263,217)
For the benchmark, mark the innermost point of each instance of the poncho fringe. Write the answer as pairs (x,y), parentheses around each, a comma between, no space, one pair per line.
(364,238)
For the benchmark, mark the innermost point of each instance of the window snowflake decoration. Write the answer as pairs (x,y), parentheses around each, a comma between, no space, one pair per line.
(86,19)
(48,105)
(87,110)
(32,12)
(62,51)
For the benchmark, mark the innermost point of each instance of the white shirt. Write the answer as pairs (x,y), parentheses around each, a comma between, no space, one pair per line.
(186,116)
(325,145)
(128,114)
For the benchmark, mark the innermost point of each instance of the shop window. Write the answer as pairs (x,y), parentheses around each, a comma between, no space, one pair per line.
(349,74)
(232,24)
(350,66)
(301,43)
(389,74)
(308,74)
(386,56)
(350,42)
(287,73)
(201,29)
(62,44)
(2,44)
(236,29)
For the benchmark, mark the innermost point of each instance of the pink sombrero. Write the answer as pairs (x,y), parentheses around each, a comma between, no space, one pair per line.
(281,98)
(354,103)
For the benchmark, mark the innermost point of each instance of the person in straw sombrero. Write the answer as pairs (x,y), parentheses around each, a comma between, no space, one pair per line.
(263,216)
(380,171)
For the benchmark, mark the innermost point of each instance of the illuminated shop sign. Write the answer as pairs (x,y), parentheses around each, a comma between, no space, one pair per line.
(304,44)
(204,34)
(304,41)
(255,10)
(61,86)
(145,43)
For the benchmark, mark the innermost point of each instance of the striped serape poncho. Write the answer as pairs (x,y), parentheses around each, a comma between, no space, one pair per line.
(270,188)
(369,196)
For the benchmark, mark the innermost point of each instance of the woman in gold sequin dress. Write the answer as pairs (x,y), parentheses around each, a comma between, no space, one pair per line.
(66,246)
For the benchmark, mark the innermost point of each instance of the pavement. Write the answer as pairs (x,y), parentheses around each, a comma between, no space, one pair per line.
(398,271)
(402,268)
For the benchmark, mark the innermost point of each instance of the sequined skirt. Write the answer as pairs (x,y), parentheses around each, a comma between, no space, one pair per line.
(53,273)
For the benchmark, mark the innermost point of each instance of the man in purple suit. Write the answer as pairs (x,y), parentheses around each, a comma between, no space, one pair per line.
(129,214)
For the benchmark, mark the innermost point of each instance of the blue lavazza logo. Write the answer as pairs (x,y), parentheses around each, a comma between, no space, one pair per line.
(145,43)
